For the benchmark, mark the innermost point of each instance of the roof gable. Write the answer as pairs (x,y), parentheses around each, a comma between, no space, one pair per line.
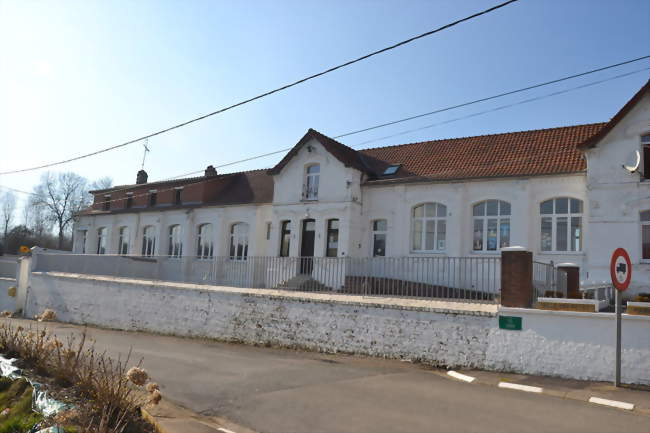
(593,140)
(348,156)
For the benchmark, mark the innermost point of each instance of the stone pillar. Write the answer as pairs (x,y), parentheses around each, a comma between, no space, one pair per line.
(516,277)
(572,279)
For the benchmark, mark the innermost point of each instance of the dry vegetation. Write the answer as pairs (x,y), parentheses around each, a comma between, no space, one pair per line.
(108,394)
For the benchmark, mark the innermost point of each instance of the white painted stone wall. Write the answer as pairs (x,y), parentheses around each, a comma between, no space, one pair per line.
(571,345)
(575,345)
(7,303)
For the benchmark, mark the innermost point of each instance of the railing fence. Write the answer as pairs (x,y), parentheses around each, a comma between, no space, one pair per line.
(548,281)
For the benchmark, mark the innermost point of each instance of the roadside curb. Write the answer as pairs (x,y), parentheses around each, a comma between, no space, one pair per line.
(174,419)
(583,396)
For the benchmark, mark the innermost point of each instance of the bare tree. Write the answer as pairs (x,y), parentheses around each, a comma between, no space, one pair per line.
(62,196)
(102,183)
(34,215)
(7,209)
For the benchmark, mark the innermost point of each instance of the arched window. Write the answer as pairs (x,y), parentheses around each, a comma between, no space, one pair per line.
(204,244)
(123,243)
(491,225)
(429,227)
(239,241)
(561,224)
(149,241)
(175,243)
(312,179)
(101,240)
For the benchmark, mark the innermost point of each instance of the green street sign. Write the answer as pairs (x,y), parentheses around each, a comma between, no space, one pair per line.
(510,323)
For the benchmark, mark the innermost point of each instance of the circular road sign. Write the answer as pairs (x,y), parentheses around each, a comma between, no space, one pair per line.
(620,269)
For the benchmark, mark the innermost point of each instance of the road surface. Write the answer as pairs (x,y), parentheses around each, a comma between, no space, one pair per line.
(285,391)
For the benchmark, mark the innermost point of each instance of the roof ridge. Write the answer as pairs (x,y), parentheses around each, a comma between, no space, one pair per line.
(483,135)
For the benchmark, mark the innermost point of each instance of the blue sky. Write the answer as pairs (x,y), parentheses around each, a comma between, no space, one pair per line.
(76,76)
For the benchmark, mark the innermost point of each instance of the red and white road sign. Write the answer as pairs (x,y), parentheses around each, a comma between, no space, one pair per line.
(620,269)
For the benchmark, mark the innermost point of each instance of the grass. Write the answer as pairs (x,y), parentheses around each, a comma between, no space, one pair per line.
(16,395)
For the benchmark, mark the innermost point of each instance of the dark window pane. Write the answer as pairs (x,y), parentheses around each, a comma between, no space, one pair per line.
(492,207)
(479,209)
(478,234)
(430,235)
(417,235)
(442,210)
(547,234)
(576,205)
(430,210)
(645,215)
(546,207)
(441,234)
(561,205)
(504,228)
(645,238)
(504,208)
(561,241)
(379,226)
(379,245)
(492,234)
(576,234)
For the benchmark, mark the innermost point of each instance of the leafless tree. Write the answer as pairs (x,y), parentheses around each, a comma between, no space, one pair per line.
(103,183)
(34,215)
(62,196)
(7,209)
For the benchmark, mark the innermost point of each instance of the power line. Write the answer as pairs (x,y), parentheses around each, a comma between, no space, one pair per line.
(502,107)
(512,92)
(276,90)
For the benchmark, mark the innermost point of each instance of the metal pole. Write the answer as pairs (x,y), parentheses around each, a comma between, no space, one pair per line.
(619,307)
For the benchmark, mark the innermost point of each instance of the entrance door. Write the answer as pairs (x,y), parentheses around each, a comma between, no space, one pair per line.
(307,246)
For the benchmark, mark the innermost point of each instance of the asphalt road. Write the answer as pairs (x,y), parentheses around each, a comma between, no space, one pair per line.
(284,391)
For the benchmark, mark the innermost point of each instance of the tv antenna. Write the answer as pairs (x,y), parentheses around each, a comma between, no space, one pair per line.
(145,144)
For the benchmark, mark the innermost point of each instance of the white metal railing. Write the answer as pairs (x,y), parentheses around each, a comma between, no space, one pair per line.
(548,281)
(462,278)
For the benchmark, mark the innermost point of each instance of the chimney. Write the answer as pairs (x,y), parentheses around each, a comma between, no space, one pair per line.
(210,171)
(142,177)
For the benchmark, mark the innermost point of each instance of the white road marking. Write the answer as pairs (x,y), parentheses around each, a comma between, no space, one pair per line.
(612,403)
(461,376)
(225,430)
(518,387)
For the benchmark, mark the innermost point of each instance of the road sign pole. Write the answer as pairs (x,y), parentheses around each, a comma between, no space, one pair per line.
(619,307)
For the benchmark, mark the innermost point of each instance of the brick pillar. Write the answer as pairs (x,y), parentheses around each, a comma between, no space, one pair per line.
(572,279)
(516,277)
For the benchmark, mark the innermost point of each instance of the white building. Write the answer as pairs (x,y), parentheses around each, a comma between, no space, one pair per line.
(560,192)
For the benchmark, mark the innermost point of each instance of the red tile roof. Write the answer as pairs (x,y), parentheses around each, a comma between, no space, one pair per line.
(525,153)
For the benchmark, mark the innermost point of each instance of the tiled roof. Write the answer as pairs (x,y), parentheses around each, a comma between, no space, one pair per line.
(525,153)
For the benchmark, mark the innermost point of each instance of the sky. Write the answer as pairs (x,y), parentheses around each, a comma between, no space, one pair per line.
(78,76)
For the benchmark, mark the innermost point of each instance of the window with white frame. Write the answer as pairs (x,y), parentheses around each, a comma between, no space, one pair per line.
(491,225)
(645,235)
(429,228)
(239,241)
(123,241)
(312,179)
(204,242)
(101,240)
(285,238)
(149,241)
(561,224)
(332,247)
(379,232)
(645,147)
(175,248)
(82,237)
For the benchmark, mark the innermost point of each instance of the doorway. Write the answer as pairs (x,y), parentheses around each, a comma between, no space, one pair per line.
(307,246)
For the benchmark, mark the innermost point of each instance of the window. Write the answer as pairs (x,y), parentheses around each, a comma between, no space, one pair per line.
(177,196)
(148,241)
(83,234)
(239,241)
(561,224)
(491,226)
(429,227)
(123,242)
(175,243)
(312,178)
(332,238)
(645,146)
(379,228)
(205,247)
(391,169)
(107,202)
(129,200)
(101,240)
(645,235)
(268,231)
(153,198)
(285,238)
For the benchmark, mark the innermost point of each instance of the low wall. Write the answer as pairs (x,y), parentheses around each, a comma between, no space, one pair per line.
(566,344)
(571,344)
(431,331)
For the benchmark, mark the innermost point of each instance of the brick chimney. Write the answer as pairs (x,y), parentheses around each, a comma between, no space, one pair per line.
(210,171)
(142,177)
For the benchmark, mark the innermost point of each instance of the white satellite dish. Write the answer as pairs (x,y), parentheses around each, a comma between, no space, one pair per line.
(633,161)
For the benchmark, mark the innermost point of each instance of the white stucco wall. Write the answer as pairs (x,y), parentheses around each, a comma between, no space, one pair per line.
(572,345)
(617,198)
